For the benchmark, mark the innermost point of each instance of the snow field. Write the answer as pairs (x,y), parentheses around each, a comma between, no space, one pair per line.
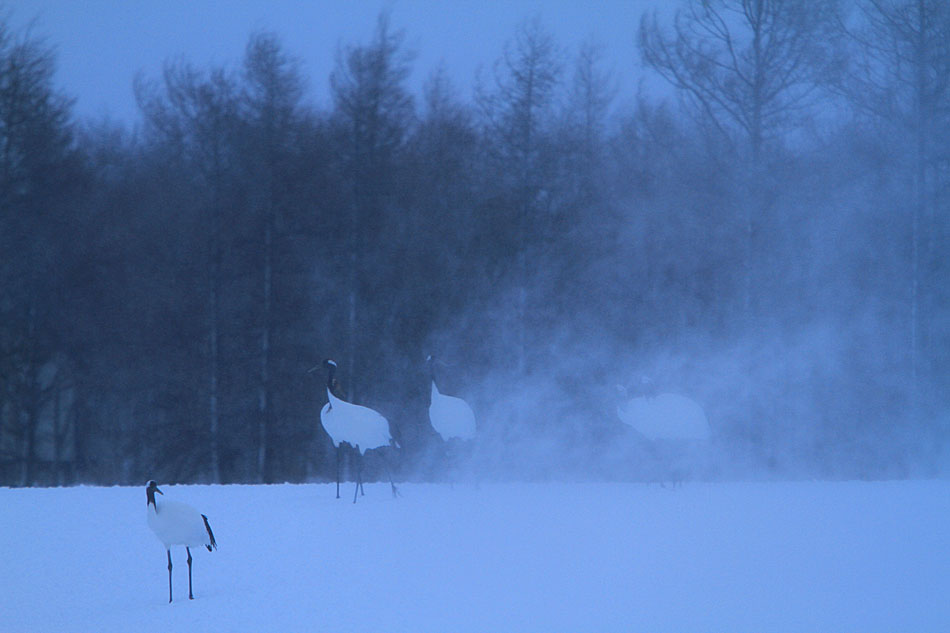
(848,556)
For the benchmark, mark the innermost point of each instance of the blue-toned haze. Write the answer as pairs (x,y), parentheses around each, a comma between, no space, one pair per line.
(102,44)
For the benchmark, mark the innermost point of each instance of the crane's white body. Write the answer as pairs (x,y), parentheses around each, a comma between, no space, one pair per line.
(176,523)
(359,426)
(667,416)
(451,416)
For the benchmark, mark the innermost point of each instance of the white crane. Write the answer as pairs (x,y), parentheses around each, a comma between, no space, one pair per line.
(361,427)
(663,416)
(451,417)
(176,523)
(675,428)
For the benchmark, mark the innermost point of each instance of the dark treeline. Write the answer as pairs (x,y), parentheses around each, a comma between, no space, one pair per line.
(773,242)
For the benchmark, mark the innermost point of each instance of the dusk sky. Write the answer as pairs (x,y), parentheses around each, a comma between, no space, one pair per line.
(102,44)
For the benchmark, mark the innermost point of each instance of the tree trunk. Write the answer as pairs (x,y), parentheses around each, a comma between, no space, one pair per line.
(920,202)
(213,335)
(58,430)
(263,401)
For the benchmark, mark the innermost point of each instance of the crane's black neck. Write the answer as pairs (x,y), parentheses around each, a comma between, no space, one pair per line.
(150,494)
(331,369)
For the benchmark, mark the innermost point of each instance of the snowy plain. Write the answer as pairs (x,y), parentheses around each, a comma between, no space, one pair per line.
(795,556)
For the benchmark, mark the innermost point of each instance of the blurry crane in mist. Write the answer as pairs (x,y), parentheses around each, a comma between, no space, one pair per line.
(176,523)
(666,416)
(360,427)
(674,426)
(451,417)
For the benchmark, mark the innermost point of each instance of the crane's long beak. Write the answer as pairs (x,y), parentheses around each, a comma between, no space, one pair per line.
(313,369)
(159,492)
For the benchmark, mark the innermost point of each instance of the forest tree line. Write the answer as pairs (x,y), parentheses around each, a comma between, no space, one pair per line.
(773,242)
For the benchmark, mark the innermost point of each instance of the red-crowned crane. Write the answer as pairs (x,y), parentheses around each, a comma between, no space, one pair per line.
(451,417)
(176,523)
(361,427)
(674,427)
(663,416)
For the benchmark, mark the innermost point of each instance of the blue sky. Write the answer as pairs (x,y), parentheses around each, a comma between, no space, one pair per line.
(102,44)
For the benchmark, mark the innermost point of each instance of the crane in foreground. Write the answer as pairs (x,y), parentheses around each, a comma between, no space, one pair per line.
(176,523)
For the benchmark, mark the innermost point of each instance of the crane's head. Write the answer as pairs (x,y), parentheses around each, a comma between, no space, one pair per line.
(150,489)
(329,364)
(326,363)
(331,381)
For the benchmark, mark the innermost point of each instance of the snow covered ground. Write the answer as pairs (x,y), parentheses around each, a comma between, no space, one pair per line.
(850,556)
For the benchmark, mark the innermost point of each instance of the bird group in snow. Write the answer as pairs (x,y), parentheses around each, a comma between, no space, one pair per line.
(656,416)
(362,428)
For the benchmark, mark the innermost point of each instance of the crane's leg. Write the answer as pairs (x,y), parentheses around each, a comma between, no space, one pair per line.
(338,471)
(362,494)
(169,552)
(359,476)
(389,471)
(191,596)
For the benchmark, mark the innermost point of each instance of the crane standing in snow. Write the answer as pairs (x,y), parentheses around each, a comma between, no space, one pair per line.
(333,386)
(662,415)
(361,427)
(451,417)
(674,427)
(176,523)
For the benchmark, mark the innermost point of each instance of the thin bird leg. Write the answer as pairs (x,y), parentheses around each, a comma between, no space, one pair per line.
(169,552)
(362,494)
(191,596)
(389,471)
(338,449)
(359,474)
(450,457)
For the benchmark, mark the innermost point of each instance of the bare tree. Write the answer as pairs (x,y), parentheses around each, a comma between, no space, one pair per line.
(196,114)
(518,109)
(38,165)
(374,111)
(899,75)
(272,99)
(590,95)
(750,68)
(747,65)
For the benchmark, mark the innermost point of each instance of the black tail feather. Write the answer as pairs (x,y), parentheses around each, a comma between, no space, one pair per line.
(210,534)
